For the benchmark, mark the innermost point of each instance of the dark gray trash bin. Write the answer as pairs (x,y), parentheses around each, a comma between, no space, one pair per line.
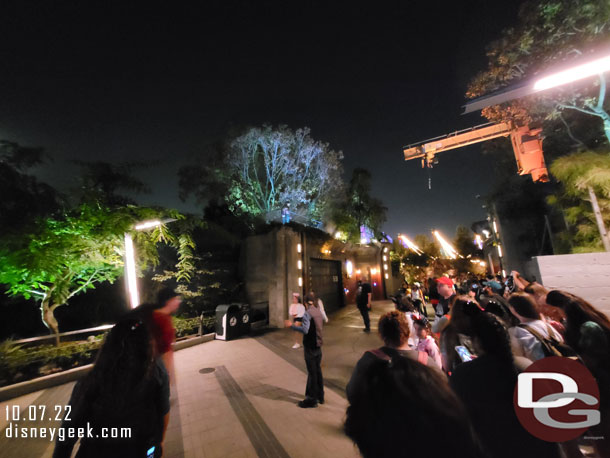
(245,318)
(228,322)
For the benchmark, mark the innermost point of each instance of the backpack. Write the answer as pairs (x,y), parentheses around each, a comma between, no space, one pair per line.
(550,345)
(422,356)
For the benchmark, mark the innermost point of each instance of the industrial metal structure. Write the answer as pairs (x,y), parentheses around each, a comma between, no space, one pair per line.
(527,146)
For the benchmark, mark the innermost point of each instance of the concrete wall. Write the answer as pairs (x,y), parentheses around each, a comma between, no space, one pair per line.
(586,275)
(269,267)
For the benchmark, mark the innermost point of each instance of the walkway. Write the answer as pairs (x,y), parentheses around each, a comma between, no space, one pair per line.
(238,398)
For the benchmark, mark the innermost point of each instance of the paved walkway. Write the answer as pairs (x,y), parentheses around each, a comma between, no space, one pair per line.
(238,398)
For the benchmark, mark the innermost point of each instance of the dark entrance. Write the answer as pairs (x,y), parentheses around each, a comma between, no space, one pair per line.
(325,279)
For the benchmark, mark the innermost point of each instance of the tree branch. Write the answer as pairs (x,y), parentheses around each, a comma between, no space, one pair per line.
(582,110)
(84,285)
(570,134)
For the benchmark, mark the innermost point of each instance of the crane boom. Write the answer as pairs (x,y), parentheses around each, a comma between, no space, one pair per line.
(527,146)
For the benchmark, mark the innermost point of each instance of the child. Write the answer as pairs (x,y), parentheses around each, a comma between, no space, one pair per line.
(296,312)
(426,341)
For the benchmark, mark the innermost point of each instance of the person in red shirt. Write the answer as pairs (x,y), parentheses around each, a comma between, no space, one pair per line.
(168,302)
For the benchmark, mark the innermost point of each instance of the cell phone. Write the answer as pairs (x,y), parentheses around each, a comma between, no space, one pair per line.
(463,353)
(151,452)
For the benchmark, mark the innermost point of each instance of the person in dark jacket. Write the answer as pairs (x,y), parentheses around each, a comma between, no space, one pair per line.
(311,327)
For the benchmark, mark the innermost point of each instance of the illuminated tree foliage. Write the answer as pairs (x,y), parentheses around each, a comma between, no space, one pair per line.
(64,256)
(578,172)
(265,169)
(550,33)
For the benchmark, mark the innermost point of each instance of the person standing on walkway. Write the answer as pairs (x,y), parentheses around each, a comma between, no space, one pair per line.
(311,328)
(444,287)
(168,302)
(296,312)
(363,302)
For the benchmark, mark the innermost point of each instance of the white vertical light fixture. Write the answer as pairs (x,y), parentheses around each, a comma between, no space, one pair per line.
(130,272)
(130,260)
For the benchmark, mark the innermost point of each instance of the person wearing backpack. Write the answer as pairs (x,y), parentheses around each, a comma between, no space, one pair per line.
(533,337)
(394,331)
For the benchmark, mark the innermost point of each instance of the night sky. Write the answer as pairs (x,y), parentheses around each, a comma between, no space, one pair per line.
(158,83)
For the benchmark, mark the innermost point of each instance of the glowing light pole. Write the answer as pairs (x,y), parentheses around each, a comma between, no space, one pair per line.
(130,260)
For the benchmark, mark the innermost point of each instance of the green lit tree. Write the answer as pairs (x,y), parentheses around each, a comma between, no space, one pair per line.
(265,169)
(68,255)
(584,175)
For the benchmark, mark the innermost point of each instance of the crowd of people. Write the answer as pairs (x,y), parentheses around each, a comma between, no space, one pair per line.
(456,378)
(441,385)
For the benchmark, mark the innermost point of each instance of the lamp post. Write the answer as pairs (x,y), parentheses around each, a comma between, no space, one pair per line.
(130,259)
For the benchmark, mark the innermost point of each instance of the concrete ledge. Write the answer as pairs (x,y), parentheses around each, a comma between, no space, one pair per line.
(194,341)
(70,375)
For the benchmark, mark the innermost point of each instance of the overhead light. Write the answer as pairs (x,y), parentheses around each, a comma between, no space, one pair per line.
(147,224)
(570,75)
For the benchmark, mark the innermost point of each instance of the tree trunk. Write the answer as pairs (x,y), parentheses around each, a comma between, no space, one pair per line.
(48,318)
(600,220)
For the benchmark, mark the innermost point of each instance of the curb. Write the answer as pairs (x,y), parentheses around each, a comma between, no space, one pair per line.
(49,381)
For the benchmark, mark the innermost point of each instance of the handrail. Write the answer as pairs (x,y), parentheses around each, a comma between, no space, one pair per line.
(61,334)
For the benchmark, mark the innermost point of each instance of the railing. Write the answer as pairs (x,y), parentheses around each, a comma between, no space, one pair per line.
(288,216)
(63,334)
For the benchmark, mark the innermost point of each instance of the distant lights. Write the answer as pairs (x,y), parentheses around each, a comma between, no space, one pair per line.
(387,276)
(478,241)
(385,250)
(300,281)
(499,251)
(385,267)
(409,244)
(338,235)
(374,283)
(299,264)
(299,248)
(358,271)
(446,247)
(495,226)
(349,268)
(373,271)
(385,258)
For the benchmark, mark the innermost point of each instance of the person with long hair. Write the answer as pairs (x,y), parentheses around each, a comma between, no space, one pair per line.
(486,385)
(588,333)
(456,333)
(128,387)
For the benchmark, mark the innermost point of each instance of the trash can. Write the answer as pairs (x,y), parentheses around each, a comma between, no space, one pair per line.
(245,318)
(228,320)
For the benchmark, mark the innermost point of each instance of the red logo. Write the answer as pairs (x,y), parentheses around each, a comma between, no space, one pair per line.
(557,399)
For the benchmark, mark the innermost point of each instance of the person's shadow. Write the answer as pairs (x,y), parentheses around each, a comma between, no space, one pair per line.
(275,393)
